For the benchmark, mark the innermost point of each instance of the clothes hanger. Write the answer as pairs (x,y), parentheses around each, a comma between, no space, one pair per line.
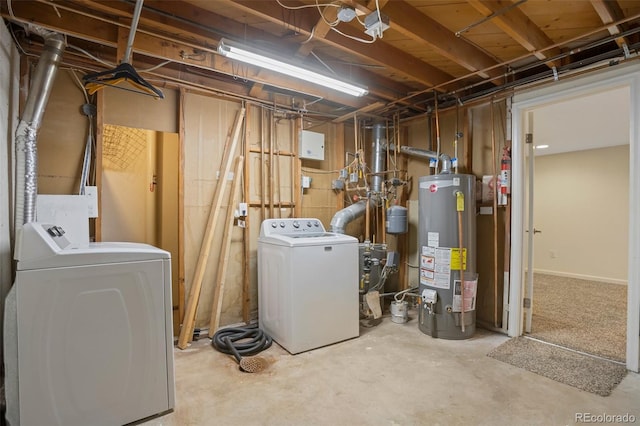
(125,71)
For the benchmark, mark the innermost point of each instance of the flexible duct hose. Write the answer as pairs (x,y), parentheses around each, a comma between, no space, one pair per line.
(246,340)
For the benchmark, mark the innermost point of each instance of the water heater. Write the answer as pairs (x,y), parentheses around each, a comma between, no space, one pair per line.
(447,244)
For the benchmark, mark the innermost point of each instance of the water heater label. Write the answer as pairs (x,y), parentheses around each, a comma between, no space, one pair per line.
(435,267)
(470,287)
(433,239)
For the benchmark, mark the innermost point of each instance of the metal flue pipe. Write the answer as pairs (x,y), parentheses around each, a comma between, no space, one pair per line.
(378,156)
(354,211)
(29,124)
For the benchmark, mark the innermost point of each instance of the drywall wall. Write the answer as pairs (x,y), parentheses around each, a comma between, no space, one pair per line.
(128,192)
(581,205)
(9,83)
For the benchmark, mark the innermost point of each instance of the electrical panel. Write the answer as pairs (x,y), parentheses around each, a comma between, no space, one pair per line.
(311,145)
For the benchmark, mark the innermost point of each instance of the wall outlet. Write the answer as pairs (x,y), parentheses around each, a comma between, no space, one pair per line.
(242,209)
(306,181)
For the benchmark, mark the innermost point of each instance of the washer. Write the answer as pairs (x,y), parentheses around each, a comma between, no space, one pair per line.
(307,284)
(88,332)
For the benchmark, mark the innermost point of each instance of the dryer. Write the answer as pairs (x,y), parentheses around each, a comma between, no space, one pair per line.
(88,332)
(307,284)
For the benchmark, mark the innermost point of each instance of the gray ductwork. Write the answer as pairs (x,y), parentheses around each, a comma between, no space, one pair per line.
(354,211)
(343,217)
(417,152)
(29,124)
(377,156)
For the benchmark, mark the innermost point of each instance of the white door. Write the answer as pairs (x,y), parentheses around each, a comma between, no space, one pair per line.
(626,75)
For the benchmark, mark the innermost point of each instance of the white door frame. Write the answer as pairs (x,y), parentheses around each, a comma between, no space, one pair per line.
(624,75)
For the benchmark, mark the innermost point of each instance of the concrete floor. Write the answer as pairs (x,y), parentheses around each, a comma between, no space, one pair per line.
(391,375)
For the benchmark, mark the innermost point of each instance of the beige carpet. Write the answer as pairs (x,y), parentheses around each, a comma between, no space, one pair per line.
(587,316)
(581,371)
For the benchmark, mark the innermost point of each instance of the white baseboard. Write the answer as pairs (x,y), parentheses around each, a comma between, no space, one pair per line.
(582,277)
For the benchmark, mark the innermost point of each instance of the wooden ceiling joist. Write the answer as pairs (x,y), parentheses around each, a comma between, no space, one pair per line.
(610,11)
(518,26)
(379,52)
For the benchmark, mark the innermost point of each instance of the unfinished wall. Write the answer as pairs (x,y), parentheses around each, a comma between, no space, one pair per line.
(9,84)
(62,138)
(320,200)
(482,164)
(144,112)
(474,150)
(589,238)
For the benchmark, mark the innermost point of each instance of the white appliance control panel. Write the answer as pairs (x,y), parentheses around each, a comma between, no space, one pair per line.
(291,226)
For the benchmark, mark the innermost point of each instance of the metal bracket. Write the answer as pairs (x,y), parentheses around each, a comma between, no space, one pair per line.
(528,138)
(526,303)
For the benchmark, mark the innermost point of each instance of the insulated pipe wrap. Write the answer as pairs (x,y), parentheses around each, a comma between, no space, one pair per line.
(27,131)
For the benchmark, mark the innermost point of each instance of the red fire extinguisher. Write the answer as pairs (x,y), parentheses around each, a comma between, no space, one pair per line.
(505,171)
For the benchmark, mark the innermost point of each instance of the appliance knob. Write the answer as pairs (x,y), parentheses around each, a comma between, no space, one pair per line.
(281,224)
(274,225)
(296,224)
(309,224)
(316,224)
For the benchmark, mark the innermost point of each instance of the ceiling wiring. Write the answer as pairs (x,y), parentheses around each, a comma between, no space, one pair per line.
(89,55)
(306,5)
(330,24)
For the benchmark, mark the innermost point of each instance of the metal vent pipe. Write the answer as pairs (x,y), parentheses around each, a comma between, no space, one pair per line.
(29,124)
(378,156)
(347,215)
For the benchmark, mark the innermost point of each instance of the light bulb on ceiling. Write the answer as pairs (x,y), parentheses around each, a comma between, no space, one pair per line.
(234,51)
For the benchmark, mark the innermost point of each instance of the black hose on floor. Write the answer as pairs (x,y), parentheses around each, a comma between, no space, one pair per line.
(246,340)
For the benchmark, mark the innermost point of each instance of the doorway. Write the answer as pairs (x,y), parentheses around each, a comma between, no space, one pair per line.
(579,208)
(622,76)
(140,194)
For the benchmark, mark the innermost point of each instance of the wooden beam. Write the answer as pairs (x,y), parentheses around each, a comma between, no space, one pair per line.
(99,30)
(181,225)
(518,26)
(610,11)
(367,109)
(409,21)
(401,62)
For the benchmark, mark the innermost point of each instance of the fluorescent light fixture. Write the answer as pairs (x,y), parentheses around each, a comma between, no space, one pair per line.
(232,51)
(541,146)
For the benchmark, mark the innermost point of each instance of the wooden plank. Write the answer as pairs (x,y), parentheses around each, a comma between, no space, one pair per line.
(519,27)
(218,293)
(380,52)
(371,107)
(296,167)
(246,271)
(99,146)
(188,323)
(181,227)
(610,11)
(414,24)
